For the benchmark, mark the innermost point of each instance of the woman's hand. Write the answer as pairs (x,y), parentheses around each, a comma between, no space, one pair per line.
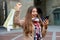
(18,6)
(46,22)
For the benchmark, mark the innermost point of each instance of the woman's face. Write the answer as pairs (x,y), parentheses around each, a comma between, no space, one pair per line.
(34,12)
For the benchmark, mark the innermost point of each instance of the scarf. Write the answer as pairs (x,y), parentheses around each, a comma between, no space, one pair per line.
(37,31)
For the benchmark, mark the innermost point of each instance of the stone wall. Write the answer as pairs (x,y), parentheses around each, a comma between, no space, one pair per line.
(25,3)
(50,6)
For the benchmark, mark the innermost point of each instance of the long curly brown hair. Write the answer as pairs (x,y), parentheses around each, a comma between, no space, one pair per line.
(28,27)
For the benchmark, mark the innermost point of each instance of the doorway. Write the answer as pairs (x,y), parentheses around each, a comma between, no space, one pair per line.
(3,11)
(41,7)
(56,14)
(37,4)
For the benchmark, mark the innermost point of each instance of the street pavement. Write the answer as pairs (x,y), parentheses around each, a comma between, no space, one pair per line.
(53,33)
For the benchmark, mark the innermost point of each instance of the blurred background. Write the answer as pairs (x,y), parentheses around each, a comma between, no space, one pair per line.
(49,8)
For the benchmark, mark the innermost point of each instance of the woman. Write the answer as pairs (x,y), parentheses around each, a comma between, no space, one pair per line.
(29,23)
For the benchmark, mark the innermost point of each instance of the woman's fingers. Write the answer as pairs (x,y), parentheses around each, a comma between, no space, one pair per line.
(18,6)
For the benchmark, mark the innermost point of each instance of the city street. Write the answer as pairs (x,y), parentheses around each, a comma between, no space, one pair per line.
(16,34)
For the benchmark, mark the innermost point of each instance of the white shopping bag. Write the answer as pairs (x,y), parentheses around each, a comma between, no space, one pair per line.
(9,21)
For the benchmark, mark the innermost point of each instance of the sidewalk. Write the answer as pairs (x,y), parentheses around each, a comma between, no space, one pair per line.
(16,34)
(53,28)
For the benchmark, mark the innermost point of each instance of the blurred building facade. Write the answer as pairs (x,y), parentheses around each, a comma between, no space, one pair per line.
(49,8)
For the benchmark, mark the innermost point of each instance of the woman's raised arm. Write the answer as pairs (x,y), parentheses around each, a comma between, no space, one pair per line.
(16,19)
